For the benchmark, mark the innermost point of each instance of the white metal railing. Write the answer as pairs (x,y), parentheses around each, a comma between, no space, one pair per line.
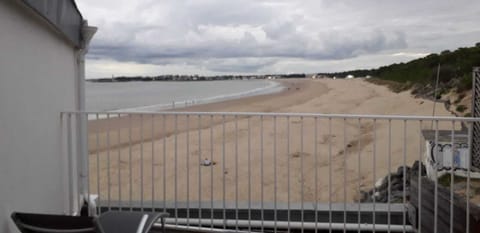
(252,171)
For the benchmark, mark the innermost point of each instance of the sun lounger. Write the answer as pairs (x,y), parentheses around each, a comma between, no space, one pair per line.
(128,222)
(43,223)
(109,222)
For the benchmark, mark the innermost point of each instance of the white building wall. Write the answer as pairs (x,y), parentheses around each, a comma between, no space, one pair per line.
(37,82)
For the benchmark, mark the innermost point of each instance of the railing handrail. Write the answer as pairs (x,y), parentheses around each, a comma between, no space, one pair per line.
(286,114)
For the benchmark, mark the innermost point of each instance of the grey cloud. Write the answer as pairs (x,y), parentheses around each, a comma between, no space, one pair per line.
(277,30)
(335,46)
(243,65)
(252,35)
(227,12)
(341,47)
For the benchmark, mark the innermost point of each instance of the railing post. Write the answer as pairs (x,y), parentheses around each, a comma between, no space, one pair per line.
(82,159)
(72,169)
(475,150)
(65,151)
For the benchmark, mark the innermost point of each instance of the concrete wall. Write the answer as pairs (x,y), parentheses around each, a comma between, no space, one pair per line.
(37,81)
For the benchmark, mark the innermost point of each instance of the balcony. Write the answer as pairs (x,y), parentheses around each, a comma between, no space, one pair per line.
(277,172)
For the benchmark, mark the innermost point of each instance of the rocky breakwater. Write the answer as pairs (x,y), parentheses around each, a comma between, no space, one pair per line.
(397,182)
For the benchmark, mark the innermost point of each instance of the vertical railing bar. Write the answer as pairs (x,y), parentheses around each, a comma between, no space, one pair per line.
(249,177)
(164,128)
(435,207)
(467,196)
(389,189)
(316,170)
(200,167)
(108,162)
(302,215)
(452,168)
(75,176)
(118,167)
(153,161)
(420,177)
(97,146)
(74,173)
(224,212)
(64,150)
(175,167)
(374,213)
(236,173)
(404,193)
(87,153)
(211,171)
(118,159)
(330,175)
(262,213)
(141,162)
(359,167)
(187,125)
(69,163)
(130,169)
(275,173)
(288,174)
(345,152)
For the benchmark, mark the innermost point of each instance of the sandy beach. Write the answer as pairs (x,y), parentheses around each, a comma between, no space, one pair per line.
(261,158)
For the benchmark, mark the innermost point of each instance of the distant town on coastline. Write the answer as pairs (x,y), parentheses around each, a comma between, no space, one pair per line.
(177,77)
(455,68)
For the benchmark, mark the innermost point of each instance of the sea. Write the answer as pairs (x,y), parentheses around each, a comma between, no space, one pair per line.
(161,95)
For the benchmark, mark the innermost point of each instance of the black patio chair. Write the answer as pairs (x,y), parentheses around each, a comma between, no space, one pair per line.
(128,222)
(43,223)
(109,222)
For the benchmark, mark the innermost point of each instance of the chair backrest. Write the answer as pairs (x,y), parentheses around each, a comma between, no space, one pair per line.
(126,222)
(42,223)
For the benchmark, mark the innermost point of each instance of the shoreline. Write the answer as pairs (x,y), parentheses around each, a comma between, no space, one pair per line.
(263,103)
(266,87)
(176,150)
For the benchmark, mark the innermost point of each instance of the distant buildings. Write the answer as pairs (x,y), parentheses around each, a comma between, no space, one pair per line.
(195,78)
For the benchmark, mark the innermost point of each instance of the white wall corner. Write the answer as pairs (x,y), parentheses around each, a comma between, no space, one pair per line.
(81,120)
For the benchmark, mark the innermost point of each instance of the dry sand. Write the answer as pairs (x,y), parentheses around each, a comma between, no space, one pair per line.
(320,158)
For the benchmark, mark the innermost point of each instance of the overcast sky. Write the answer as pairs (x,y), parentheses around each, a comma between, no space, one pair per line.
(209,37)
